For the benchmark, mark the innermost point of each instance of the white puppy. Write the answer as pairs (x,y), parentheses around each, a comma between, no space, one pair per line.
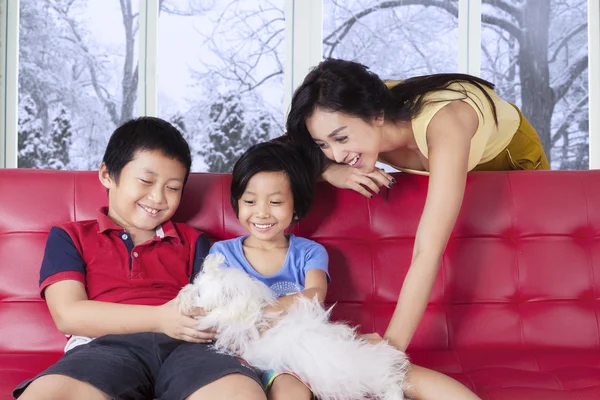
(330,356)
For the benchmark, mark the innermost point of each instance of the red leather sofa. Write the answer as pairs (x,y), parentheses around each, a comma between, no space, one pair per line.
(514,313)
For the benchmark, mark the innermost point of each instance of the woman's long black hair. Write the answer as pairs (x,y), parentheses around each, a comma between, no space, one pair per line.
(349,87)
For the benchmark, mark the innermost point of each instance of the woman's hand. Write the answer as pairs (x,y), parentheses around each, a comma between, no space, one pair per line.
(372,337)
(345,177)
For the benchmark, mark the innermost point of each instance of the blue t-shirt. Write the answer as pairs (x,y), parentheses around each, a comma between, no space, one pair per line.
(302,256)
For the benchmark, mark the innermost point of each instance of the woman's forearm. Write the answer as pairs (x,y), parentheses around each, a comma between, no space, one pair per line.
(413,300)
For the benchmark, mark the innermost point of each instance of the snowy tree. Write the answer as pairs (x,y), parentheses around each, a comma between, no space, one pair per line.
(62,67)
(35,151)
(233,127)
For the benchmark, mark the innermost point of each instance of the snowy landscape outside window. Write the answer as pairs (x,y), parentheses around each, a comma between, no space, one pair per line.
(220,67)
(78,79)
(395,39)
(536,52)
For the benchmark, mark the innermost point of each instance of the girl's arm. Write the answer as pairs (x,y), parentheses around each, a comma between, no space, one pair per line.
(448,136)
(315,285)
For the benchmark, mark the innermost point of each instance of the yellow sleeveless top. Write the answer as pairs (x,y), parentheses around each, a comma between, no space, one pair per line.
(488,141)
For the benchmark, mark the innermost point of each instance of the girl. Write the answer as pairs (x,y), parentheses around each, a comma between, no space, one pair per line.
(439,125)
(272,188)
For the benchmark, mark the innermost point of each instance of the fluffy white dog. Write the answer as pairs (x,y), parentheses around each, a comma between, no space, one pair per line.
(330,356)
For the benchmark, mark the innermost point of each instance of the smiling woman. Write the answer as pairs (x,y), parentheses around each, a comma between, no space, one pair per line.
(440,125)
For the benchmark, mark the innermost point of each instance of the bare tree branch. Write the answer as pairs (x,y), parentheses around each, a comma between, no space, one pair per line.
(515,11)
(562,130)
(565,40)
(563,83)
(100,92)
(345,27)
(508,26)
(263,80)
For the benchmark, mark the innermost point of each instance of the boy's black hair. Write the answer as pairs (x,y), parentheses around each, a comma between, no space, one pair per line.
(276,156)
(145,133)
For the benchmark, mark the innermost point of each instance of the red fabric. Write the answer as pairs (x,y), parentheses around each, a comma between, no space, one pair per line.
(514,313)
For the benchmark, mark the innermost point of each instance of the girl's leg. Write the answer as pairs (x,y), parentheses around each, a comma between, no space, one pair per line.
(230,387)
(288,387)
(426,384)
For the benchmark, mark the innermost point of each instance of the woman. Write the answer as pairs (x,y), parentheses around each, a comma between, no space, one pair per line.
(438,125)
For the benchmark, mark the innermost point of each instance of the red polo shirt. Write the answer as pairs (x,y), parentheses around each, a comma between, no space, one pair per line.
(101,255)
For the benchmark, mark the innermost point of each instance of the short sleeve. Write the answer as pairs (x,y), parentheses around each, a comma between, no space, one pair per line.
(216,248)
(202,249)
(62,261)
(317,258)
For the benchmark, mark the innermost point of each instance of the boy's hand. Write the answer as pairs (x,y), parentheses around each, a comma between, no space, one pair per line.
(173,323)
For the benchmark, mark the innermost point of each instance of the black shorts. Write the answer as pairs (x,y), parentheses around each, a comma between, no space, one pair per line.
(145,366)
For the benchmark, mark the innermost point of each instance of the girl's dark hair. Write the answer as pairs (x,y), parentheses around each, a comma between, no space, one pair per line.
(145,133)
(349,87)
(276,156)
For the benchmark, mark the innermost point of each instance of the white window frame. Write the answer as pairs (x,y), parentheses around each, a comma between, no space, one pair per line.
(9,82)
(148,58)
(594,82)
(303,43)
(469,37)
(303,50)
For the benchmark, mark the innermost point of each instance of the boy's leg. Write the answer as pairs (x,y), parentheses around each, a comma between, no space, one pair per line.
(61,387)
(196,371)
(287,386)
(112,366)
(426,384)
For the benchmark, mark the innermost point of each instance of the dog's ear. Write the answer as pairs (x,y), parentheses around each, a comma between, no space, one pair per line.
(213,262)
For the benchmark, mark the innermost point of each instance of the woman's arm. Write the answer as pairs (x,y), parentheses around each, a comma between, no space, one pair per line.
(448,136)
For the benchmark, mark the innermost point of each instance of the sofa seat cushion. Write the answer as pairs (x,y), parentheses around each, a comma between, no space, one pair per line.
(15,368)
(520,374)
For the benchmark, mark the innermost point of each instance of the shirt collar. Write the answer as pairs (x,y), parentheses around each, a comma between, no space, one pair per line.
(166,230)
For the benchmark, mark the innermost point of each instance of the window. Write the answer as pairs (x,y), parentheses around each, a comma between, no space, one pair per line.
(220,76)
(536,52)
(77,79)
(218,72)
(395,40)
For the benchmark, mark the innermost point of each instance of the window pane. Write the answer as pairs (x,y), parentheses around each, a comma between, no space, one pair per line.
(536,54)
(221,75)
(77,79)
(395,40)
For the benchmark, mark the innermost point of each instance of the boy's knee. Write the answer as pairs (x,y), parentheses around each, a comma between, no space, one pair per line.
(60,387)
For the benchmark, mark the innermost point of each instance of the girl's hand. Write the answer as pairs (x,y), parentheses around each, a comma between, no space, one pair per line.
(346,177)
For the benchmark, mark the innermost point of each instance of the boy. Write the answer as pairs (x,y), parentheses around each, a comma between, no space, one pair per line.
(114,279)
